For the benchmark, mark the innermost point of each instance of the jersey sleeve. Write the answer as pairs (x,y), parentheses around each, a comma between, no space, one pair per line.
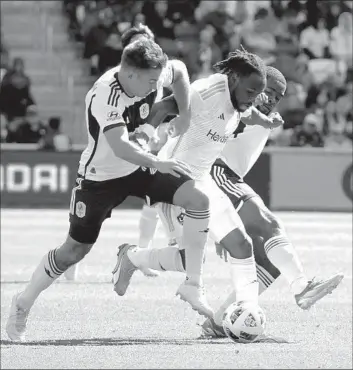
(107,107)
(168,75)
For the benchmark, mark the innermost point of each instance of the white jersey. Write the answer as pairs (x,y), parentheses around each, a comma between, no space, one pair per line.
(213,121)
(108,106)
(243,150)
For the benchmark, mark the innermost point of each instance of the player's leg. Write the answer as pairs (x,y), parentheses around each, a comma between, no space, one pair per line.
(260,221)
(191,197)
(242,262)
(147,228)
(87,212)
(147,225)
(71,273)
(182,192)
(166,258)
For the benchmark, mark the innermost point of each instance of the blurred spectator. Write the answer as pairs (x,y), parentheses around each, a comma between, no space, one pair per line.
(4,59)
(138,19)
(341,41)
(308,134)
(218,17)
(158,19)
(309,41)
(315,39)
(97,37)
(337,139)
(258,36)
(292,106)
(15,92)
(209,52)
(3,128)
(26,130)
(54,139)
(110,54)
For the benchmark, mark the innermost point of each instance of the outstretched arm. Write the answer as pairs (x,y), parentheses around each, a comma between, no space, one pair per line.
(254,117)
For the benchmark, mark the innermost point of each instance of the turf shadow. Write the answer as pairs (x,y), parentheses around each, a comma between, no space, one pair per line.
(114,342)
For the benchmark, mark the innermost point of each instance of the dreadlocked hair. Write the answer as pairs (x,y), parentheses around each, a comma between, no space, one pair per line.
(241,62)
(275,75)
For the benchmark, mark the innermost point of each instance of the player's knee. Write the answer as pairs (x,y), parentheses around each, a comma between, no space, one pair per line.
(189,197)
(71,252)
(270,226)
(238,244)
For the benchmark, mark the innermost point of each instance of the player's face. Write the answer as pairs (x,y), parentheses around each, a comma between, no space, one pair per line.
(145,81)
(275,93)
(244,90)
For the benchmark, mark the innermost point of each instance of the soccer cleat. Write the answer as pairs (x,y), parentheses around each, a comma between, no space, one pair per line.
(123,270)
(71,273)
(195,296)
(16,323)
(317,289)
(149,272)
(209,329)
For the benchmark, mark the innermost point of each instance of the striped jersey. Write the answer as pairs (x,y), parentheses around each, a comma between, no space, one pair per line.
(244,148)
(108,106)
(213,121)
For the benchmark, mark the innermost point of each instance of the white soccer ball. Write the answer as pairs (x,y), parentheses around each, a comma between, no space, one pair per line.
(243,322)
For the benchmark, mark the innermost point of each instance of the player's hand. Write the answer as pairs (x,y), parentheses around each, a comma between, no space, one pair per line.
(141,139)
(173,167)
(221,252)
(260,99)
(276,120)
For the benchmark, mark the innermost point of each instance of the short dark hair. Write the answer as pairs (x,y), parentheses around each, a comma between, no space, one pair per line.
(144,54)
(275,75)
(241,62)
(134,31)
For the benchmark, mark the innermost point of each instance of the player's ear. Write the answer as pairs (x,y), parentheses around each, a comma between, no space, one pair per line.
(234,79)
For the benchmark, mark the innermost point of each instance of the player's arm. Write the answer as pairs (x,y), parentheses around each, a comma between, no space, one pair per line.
(109,115)
(176,77)
(254,117)
(181,87)
(160,110)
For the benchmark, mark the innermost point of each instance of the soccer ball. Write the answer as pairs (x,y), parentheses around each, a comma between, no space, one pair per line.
(243,322)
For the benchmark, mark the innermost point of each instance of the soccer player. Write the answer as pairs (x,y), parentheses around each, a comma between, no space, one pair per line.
(112,168)
(216,103)
(274,253)
(132,34)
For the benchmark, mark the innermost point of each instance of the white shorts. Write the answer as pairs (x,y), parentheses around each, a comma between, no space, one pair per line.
(223,219)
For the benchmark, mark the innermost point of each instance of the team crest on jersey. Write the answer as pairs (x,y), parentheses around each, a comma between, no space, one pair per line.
(80,209)
(144,110)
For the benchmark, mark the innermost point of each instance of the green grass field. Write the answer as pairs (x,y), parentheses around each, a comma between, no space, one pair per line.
(85,325)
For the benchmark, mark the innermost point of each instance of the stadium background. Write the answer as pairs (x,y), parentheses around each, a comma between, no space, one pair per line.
(307,166)
(63,46)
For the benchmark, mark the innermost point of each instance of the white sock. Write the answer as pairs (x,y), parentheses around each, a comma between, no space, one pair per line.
(195,233)
(282,254)
(161,259)
(147,226)
(43,276)
(218,316)
(243,272)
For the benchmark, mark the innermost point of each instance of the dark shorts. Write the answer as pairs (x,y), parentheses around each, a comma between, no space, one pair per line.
(93,201)
(231,184)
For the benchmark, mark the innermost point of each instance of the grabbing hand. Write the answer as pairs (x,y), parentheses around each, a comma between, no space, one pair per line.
(173,167)
(221,252)
(260,99)
(276,120)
